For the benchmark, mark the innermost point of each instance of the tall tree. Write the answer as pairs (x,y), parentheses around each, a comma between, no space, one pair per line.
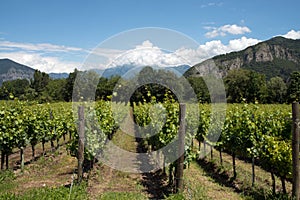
(277,90)
(245,85)
(68,89)
(40,81)
(54,90)
(200,88)
(106,86)
(294,87)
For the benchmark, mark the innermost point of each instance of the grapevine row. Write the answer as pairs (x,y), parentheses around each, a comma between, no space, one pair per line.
(24,124)
(261,133)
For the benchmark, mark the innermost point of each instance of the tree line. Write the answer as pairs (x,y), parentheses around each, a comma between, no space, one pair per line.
(248,86)
(241,85)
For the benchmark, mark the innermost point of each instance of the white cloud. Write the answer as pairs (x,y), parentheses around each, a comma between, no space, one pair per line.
(43,56)
(40,62)
(215,47)
(38,56)
(292,34)
(242,43)
(148,54)
(45,47)
(226,29)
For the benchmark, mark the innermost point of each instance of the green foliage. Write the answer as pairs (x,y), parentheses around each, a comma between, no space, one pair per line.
(278,67)
(100,125)
(260,131)
(159,124)
(146,115)
(200,88)
(244,85)
(277,90)
(55,90)
(252,130)
(16,87)
(23,124)
(40,81)
(105,87)
(68,89)
(294,87)
(152,84)
(275,155)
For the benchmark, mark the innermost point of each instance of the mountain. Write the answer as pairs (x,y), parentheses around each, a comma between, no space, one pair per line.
(181,68)
(275,57)
(58,75)
(121,70)
(10,70)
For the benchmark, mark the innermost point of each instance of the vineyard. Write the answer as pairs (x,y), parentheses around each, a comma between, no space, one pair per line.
(254,134)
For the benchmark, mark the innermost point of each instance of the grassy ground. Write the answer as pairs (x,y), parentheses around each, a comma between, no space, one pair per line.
(200,186)
(223,175)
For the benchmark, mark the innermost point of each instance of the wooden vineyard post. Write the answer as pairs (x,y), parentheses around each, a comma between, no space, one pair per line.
(80,142)
(295,147)
(180,160)
(51,141)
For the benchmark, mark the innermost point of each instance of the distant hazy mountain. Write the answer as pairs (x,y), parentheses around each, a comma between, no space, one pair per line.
(275,57)
(10,70)
(58,75)
(121,70)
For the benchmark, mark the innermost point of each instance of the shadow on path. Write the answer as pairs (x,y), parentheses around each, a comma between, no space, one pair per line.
(223,178)
(155,183)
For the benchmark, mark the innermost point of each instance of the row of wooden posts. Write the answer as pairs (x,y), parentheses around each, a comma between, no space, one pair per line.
(181,137)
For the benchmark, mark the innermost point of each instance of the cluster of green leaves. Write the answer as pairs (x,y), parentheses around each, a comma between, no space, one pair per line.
(159,123)
(100,124)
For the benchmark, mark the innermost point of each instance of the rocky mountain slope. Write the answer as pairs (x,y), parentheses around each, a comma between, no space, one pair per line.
(275,57)
(10,70)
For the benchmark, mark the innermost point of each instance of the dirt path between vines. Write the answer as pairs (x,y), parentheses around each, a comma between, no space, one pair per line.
(154,185)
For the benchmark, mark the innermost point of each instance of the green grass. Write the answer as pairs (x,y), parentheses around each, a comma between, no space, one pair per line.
(60,193)
(121,196)
(6,181)
(134,196)
(242,185)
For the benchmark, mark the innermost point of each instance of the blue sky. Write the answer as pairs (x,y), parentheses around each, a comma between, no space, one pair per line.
(56,36)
